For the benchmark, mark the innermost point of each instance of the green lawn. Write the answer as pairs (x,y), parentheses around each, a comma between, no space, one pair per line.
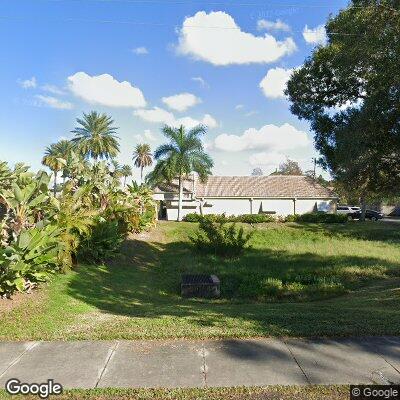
(237,393)
(137,295)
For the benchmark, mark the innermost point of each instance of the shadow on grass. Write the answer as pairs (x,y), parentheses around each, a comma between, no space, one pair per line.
(382,231)
(144,283)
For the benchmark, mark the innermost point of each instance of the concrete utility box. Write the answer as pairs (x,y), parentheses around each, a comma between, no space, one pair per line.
(207,286)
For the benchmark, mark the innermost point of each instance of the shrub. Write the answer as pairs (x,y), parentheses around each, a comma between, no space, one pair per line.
(291,218)
(103,243)
(192,217)
(32,258)
(271,287)
(222,239)
(320,217)
(255,218)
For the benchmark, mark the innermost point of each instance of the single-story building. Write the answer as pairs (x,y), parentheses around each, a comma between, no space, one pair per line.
(278,195)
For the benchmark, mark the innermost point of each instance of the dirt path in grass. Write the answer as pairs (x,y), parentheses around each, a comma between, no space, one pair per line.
(19,299)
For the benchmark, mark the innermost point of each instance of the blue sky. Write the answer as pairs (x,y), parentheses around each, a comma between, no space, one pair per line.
(146,63)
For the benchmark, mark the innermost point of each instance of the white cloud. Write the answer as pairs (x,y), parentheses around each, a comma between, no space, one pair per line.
(148,135)
(269,137)
(181,102)
(239,106)
(278,25)
(274,83)
(266,159)
(140,50)
(52,89)
(202,82)
(105,90)
(54,102)
(160,116)
(28,83)
(210,121)
(216,38)
(315,35)
(156,115)
(251,113)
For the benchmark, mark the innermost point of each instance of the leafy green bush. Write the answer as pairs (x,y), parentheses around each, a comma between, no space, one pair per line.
(255,218)
(192,217)
(32,258)
(320,217)
(291,218)
(103,243)
(221,239)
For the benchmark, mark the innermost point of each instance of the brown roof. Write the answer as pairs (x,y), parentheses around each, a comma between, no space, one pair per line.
(255,186)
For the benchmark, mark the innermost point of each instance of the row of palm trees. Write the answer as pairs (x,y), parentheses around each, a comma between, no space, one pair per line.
(96,139)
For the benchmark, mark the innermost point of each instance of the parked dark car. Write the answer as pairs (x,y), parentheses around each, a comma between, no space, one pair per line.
(369,214)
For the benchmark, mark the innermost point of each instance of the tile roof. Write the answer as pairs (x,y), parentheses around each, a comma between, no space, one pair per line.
(254,186)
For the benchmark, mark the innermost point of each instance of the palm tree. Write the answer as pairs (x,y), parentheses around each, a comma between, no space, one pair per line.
(142,157)
(182,155)
(63,149)
(95,137)
(53,160)
(126,170)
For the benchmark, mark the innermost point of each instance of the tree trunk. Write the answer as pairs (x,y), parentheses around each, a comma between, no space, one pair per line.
(363,208)
(180,199)
(55,184)
(124,181)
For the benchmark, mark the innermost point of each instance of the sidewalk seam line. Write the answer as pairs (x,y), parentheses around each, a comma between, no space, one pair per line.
(13,362)
(112,352)
(298,364)
(378,353)
(204,365)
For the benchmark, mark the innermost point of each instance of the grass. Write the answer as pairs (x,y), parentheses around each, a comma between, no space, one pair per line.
(137,295)
(235,393)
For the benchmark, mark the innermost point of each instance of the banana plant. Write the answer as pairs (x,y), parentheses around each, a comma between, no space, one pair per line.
(26,205)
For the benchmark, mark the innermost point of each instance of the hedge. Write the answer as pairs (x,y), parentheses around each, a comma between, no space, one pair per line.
(316,217)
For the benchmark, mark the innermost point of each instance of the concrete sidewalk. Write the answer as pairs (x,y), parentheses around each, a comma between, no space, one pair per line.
(89,364)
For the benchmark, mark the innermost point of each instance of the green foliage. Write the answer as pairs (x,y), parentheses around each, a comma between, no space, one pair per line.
(142,157)
(221,239)
(255,218)
(89,211)
(192,217)
(180,157)
(319,217)
(31,258)
(95,136)
(142,213)
(349,92)
(316,217)
(289,167)
(291,218)
(103,243)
